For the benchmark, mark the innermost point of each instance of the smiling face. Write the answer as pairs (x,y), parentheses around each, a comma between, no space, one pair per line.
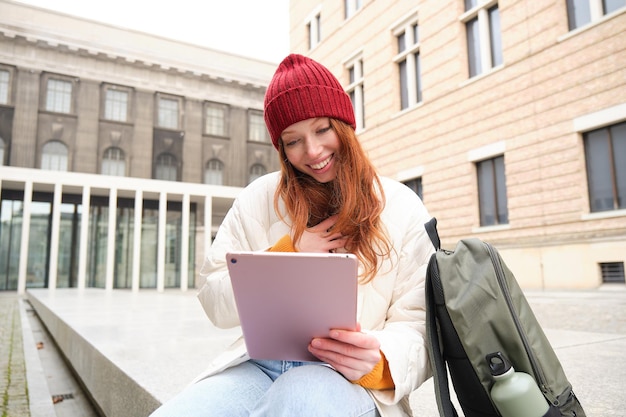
(311,146)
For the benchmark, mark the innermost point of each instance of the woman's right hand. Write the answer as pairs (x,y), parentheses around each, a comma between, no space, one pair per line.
(321,238)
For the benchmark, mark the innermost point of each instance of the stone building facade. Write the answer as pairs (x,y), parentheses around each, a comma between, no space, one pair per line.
(508,117)
(120,151)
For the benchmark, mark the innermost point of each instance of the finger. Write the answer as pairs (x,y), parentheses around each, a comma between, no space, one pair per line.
(326,224)
(355,338)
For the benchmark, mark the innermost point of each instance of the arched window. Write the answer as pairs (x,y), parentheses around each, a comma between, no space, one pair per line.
(54,156)
(166,167)
(113,162)
(214,172)
(256,171)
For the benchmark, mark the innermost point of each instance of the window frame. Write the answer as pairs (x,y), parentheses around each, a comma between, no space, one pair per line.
(106,88)
(47,158)
(159,167)
(258,127)
(161,97)
(596,12)
(356,87)
(7,90)
(117,163)
(225,128)
(313,25)
(487,61)
(50,107)
(207,169)
(351,7)
(408,61)
(254,175)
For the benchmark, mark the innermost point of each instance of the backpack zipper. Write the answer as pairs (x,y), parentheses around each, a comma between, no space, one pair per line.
(507,296)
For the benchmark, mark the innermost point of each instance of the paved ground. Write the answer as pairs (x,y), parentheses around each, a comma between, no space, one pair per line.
(586,328)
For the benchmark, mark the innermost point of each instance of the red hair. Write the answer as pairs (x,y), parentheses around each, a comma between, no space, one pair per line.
(355,195)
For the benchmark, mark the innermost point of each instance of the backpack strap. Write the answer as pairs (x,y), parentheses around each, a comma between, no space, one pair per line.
(431,229)
(438,365)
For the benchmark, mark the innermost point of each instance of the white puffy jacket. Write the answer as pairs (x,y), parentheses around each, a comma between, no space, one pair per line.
(392,306)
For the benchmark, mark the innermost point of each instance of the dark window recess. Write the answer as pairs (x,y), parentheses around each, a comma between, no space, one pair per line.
(612,272)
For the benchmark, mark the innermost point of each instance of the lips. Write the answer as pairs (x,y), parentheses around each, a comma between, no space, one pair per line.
(322,164)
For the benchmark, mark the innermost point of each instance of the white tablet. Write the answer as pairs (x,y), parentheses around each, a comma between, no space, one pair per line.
(285,299)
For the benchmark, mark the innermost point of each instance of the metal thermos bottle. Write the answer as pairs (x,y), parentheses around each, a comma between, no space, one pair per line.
(515,394)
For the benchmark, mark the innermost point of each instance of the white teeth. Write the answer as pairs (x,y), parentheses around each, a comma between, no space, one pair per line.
(321,164)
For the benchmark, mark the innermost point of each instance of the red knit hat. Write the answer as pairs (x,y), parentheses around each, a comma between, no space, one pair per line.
(303,89)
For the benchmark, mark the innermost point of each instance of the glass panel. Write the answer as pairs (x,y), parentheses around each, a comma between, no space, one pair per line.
(404,89)
(113,162)
(67,268)
(166,168)
(168,113)
(495,36)
(191,279)
(4,87)
(38,241)
(215,121)
(54,156)
(418,78)
(124,235)
(486,196)
(257,130)
(618,135)
(416,35)
(501,198)
(10,241)
(172,248)
(473,48)
(598,171)
(401,42)
(470,4)
(116,106)
(149,236)
(59,96)
(98,231)
(612,5)
(578,13)
(214,172)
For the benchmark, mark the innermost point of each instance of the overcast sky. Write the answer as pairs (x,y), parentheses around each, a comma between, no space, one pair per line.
(254,28)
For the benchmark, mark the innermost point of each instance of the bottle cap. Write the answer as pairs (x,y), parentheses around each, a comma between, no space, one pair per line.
(498,363)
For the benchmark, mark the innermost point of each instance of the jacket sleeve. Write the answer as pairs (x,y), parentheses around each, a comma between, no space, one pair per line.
(245,228)
(403,334)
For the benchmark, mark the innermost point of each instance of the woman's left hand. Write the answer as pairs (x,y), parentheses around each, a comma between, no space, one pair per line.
(351,353)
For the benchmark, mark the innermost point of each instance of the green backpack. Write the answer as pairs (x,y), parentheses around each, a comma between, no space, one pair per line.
(475,307)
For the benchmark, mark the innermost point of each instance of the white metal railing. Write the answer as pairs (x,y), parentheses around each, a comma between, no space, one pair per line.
(213,198)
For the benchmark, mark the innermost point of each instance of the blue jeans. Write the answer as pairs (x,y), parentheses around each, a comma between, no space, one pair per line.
(272,389)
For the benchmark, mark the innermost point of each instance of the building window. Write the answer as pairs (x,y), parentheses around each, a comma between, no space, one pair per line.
(59,96)
(113,162)
(612,272)
(257,132)
(4,86)
(314,29)
(583,12)
(1,152)
(351,7)
(214,172)
(168,112)
(256,171)
(484,39)
(415,184)
(408,62)
(215,119)
(54,156)
(166,168)
(356,89)
(116,104)
(492,198)
(605,155)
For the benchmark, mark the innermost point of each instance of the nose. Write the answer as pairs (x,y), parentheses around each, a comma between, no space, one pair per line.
(313,146)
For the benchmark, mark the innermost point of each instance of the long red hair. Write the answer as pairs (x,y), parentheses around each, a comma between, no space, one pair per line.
(356,196)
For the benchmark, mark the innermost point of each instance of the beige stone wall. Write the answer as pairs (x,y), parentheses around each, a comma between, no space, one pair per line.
(528,108)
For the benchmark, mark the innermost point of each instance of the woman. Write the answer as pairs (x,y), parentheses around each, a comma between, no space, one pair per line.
(327,197)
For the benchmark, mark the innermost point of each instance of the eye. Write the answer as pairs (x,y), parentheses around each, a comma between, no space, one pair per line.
(290,142)
(323,130)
